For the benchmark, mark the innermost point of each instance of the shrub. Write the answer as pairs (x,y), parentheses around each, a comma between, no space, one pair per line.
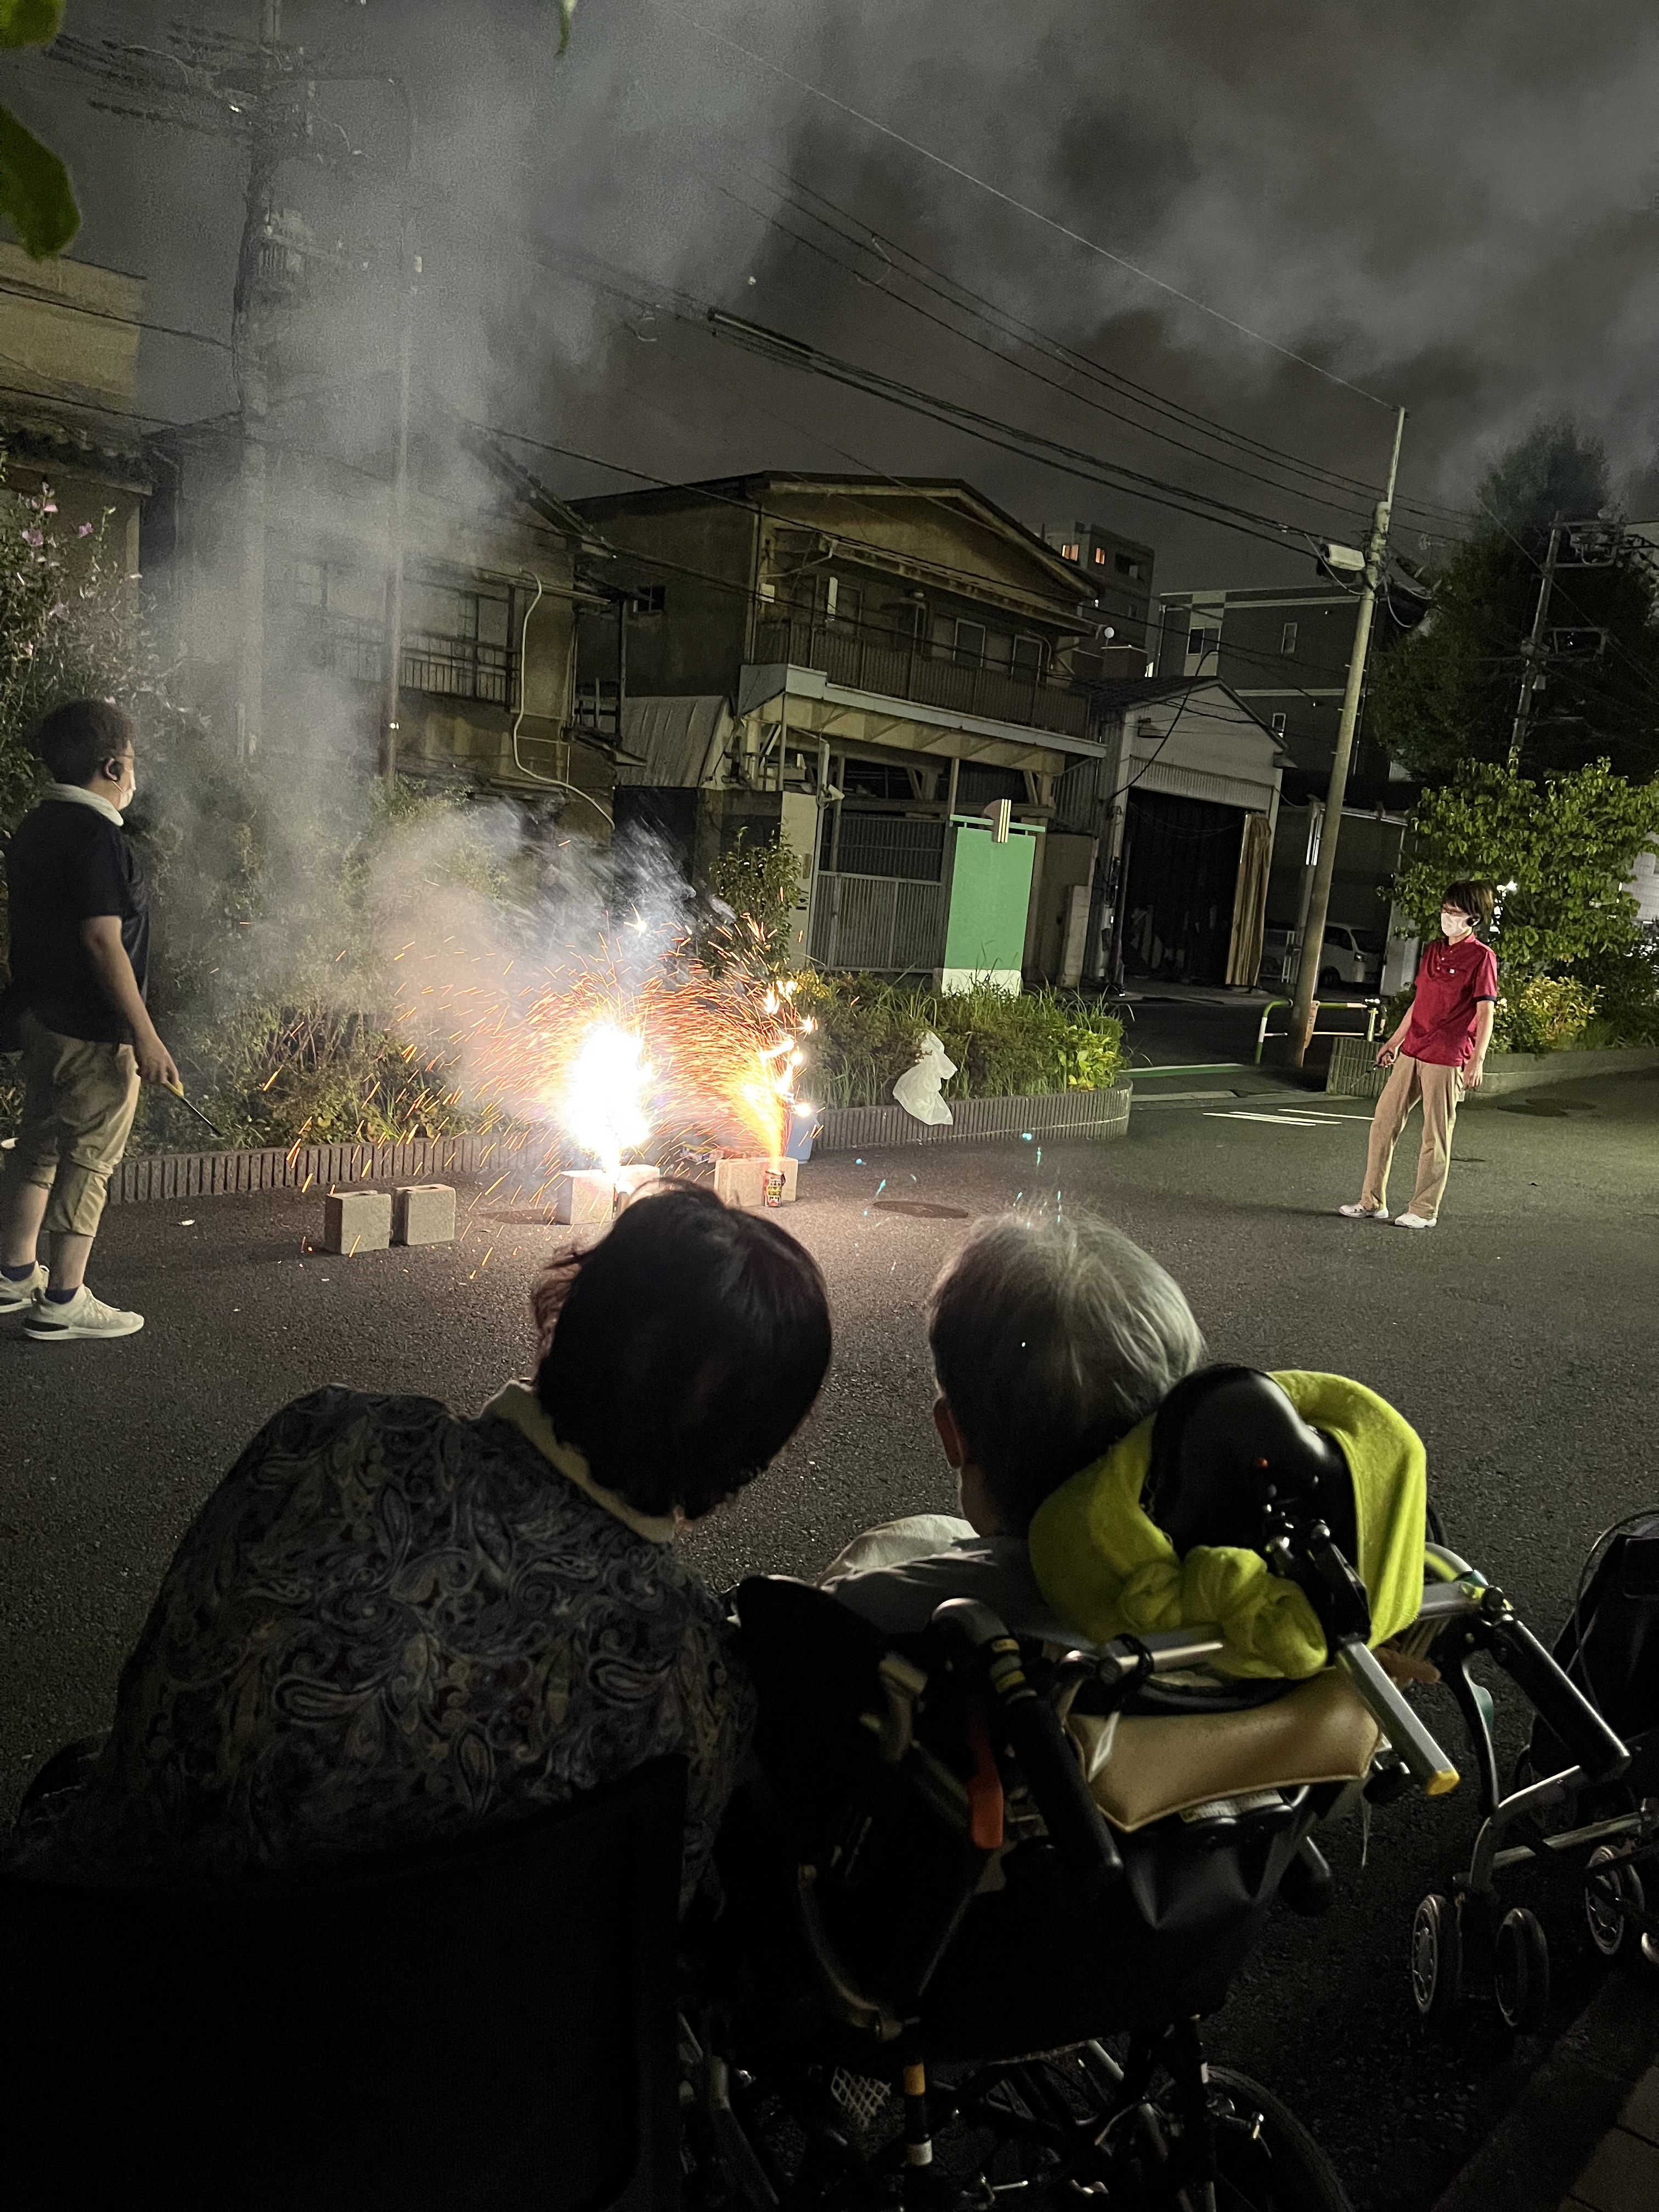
(1548,1014)
(870,1030)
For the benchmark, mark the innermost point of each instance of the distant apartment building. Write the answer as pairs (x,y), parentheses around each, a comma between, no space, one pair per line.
(1285,650)
(1117,574)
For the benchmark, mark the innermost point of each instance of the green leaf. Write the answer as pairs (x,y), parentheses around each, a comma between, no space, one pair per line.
(30,22)
(35,192)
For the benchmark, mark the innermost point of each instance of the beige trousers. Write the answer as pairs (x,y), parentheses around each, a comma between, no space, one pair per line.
(79,1099)
(1440,1090)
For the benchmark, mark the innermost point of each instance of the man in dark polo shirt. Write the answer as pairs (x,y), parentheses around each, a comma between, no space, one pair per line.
(79,913)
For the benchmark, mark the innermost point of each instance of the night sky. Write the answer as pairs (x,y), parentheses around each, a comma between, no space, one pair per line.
(1456,209)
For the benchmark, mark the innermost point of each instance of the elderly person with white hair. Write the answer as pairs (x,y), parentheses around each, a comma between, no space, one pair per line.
(1052,1337)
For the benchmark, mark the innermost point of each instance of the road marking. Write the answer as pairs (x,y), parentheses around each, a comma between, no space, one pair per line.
(1178,1097)
(1272,1121)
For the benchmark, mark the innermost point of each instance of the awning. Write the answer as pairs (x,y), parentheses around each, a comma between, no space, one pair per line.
(681,740)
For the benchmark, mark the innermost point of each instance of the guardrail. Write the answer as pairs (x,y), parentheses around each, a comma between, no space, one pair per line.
(1370,1007)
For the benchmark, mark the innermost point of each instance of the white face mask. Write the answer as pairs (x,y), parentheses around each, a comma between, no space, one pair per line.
(1454,925)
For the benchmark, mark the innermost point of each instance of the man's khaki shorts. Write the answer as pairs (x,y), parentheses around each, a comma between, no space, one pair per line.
(79,1099)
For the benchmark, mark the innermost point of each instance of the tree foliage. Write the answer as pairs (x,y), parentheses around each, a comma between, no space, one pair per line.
(1447,693)
(36,196)
(1561,852)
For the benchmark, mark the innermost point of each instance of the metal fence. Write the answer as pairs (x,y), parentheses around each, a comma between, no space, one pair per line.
(877,925)
(863,662)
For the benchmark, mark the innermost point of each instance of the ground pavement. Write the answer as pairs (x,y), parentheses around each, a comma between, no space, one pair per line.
(1518,1336)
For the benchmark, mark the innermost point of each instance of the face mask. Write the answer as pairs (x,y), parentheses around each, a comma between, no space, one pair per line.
(1454,925)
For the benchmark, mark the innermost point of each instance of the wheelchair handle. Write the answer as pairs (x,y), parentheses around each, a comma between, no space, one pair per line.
(1420,1753)
(1590,1743)
(1077,1828)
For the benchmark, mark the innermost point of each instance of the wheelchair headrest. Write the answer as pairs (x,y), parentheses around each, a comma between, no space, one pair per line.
(1220,1440)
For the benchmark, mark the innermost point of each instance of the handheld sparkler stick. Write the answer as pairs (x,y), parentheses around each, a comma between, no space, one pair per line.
(177,1090)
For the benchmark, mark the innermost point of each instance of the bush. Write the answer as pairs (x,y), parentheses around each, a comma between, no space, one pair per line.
(870,1030)
(1548,1014)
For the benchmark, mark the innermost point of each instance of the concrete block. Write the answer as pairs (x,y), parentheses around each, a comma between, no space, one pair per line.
(631,1182)
(754,1180)
(584,1194)
(423,1214)
(356,1221)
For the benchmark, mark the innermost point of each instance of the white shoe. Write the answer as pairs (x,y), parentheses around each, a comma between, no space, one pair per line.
(18,1297)
(1363,1213)
(1412,1221)
(79,1316)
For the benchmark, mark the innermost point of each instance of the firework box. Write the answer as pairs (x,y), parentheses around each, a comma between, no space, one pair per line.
(756,1180)
(423,1214)
(356,1221)
(584,1194)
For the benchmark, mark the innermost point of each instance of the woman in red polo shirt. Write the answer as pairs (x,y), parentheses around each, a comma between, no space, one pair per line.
(1437,1053)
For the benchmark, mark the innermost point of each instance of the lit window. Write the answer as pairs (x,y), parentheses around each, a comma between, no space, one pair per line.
(1068,552)
(1287,640)
(1279,725)
(1100,556)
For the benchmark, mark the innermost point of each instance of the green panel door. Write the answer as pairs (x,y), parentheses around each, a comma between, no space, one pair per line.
(990,899)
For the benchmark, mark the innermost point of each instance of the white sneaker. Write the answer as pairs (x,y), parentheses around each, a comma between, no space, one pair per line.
(18,1297)
(81,1315)
(1363,1213)
(1412,1221)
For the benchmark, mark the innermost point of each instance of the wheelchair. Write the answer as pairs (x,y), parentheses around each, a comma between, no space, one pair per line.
(1584,1790)
(981,1894)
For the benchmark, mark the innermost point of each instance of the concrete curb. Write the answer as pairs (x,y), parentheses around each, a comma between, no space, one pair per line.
(1540,2147)
(1354,1075)
(1088,1115)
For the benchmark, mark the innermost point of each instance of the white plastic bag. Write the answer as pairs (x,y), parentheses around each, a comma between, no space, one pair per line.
(918,1088)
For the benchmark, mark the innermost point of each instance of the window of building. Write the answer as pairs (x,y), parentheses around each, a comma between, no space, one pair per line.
(1100,556)
(1126,567)
(648,599)
(1287,640)
(1070,552)
(842,603)
(1030,657)
(970,645)
(458,642)
(1200,641)
(1278,725)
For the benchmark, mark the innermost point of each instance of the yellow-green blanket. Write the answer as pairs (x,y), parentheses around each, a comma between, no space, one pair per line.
(1108,1571)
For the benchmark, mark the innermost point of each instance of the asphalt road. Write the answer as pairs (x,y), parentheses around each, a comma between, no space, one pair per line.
(1518,1337)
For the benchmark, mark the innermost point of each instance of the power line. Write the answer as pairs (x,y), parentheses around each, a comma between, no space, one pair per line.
(953,292)
(1008,199)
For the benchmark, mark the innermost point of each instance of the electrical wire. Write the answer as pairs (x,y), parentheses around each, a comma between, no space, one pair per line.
(1008,199)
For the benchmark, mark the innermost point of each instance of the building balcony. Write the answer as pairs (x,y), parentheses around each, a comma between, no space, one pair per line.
(860,661)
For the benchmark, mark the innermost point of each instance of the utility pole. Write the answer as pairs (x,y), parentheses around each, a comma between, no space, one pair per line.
(251,336)
(1531,677)
(1319,901)
(408,271)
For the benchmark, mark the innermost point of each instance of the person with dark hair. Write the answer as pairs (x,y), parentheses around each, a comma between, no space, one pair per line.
(1437,1053)
(1052,1337)
(389,1622)
(79,914)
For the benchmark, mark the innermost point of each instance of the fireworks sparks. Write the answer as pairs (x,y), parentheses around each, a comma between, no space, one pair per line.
(602,1105)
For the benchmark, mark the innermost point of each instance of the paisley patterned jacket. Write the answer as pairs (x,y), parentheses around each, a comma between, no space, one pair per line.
(386,1623)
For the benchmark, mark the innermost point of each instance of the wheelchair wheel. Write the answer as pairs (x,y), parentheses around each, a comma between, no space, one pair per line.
(1267,2160)
(1613,1892)
(1521,1973)
(1436,1959)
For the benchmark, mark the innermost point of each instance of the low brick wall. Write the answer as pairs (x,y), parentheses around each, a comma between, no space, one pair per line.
(320,1167)
(1354,1073)
(524,1153)
(1086,1114)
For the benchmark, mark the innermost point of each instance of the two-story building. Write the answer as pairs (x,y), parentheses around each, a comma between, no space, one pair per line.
(271,590)
(69,332)
(886,674)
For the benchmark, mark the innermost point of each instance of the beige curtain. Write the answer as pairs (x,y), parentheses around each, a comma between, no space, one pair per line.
(1250,904)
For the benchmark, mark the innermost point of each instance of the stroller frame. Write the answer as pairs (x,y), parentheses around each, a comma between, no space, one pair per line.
(1465,1936)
